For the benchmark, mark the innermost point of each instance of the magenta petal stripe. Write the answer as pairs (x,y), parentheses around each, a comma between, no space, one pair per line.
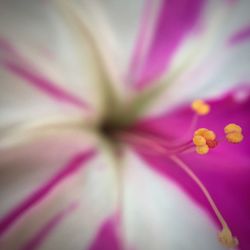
(40,236)
(225,171)
(176,20)
(240,36)
(43,84)
(75,164)
(143,39)
(14,62)
(107,236)
(6,47)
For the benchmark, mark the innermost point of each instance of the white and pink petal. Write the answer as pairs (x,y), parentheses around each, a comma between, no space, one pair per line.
(55,209)
(189,69)
(159,215)
(224,171)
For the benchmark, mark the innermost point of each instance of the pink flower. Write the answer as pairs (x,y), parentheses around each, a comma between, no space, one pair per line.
(100,147)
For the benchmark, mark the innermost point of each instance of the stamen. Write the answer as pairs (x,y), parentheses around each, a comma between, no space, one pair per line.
(204,139)
(225,235)
(153,144)
(234,137)
(202,150)
(232,127)
(209,135)
(199,140)
(200,107)
(226,239)
(233,133)
(200,131)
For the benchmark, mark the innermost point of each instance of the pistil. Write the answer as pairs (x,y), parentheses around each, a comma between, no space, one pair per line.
(203,140)
(225,235)
(153,146)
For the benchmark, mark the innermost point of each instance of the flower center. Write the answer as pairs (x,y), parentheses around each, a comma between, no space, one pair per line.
(109,129)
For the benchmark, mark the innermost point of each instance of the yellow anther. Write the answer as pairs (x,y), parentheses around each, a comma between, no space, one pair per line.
(233,133)
(200,107)
(203,110)
(196,104)
(200,131)
(234,137)
(232,128)
(209,135)
(226,238)
(199,140)
(204,139)
(202,150)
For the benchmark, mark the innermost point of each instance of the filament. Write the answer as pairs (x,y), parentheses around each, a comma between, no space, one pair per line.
(194,177)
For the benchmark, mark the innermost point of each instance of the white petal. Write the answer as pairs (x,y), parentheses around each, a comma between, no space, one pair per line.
(91,189)
(22,103)
(123,20)
(39,32)
(159,215)
(26,166)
